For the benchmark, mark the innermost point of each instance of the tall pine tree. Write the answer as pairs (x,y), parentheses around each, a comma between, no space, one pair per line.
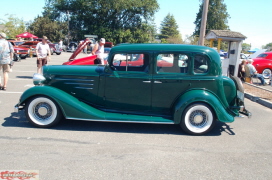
(217,18)
(169,30)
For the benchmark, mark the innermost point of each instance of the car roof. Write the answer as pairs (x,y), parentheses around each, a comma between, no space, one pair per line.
(164,47)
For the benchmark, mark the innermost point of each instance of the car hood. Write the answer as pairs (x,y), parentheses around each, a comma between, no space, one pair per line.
(20,48)
(68,71)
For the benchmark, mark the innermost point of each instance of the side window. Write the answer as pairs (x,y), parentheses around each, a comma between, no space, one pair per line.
(130,62)
(200,64)
(172,63)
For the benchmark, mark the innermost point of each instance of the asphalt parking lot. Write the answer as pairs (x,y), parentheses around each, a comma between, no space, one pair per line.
(101,150)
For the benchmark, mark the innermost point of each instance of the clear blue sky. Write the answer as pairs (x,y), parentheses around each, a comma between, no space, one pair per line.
(251,18)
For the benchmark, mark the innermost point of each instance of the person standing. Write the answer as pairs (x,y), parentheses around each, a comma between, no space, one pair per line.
(254,73)
(43,54)
(6,55)
(98,50)
(60,44)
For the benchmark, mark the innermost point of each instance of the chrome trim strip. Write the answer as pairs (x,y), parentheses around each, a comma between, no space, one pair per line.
(79,83)
(74,79)
(83,88)
(124,121)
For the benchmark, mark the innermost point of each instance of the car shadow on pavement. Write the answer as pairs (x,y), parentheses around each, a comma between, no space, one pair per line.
(19,120)
(24,77)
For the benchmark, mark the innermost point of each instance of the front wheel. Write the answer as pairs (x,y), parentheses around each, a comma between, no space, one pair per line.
(267,73)
(197,119)
(42,112)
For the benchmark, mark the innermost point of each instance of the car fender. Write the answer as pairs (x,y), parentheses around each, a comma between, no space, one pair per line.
(203,96)
(70,106)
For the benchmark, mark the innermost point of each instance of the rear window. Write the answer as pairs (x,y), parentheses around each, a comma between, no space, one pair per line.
(172,63)
(200,64)
(262,55)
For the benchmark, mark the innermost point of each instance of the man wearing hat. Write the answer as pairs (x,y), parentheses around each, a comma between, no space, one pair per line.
(99,51)
(6,55)
(43,54)
(254,73)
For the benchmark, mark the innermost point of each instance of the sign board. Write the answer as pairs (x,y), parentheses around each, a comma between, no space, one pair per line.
(91,36)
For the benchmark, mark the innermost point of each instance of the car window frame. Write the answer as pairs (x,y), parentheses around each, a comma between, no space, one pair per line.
(188,54)
(208,63)
(145,65)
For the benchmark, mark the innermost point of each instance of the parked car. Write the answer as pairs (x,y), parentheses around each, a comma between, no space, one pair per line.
(263,64)
(20,52)
(193,95)
(30,45)
(71,46)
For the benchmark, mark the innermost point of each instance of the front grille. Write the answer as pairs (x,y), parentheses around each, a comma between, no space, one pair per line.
(21,51)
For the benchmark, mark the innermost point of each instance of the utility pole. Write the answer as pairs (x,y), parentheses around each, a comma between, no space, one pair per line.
(68,36)
(203,22)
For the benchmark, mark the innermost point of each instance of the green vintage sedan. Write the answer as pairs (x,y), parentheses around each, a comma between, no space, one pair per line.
(170,84)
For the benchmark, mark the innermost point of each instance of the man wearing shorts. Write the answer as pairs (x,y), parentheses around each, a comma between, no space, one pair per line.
(6,55)
(43,54)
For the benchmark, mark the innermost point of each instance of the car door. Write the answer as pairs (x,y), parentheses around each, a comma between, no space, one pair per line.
(128,86)
(170,79)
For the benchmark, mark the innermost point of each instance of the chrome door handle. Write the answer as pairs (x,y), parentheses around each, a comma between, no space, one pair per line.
(146,81)
(157,82)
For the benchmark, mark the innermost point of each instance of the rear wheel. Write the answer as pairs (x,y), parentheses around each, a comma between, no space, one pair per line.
(42,112)
(197,119)
(267,73)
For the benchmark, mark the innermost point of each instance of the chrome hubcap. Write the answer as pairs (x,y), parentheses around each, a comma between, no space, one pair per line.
(42,111)
(198,118)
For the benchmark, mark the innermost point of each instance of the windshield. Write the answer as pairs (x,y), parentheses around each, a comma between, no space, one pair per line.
(18,43)
(262,56)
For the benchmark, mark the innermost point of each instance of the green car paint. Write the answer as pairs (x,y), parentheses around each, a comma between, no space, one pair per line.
(104,93)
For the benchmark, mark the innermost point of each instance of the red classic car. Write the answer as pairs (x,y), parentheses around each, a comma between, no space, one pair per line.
(21,51)
(31,45)
(263,64)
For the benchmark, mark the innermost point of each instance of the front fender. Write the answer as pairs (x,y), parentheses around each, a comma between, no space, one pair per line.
(203,96)
(71,107)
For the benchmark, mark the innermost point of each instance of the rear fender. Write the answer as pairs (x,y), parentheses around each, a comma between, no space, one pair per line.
(202,96)
(70,106)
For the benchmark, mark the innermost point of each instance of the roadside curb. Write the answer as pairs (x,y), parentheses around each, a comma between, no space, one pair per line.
(258,100)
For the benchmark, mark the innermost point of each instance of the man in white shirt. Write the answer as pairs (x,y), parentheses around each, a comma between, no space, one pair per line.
(254,73)
(43,54)
(99,51)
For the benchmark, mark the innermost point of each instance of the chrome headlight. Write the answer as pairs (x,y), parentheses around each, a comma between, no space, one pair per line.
(38,79)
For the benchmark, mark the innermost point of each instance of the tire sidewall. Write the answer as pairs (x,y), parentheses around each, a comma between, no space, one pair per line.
(187,126)
(54,118)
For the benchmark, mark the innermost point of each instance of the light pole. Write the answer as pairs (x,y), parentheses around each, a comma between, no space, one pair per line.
(68,16)
(203,22)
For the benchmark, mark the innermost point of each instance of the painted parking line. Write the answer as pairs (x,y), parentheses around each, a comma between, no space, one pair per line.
(29,85)
(23,79)
(23,71)
(9,92)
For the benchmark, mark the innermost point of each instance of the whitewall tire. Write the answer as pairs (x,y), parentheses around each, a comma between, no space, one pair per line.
(267,73)
(42,112)
(197,119)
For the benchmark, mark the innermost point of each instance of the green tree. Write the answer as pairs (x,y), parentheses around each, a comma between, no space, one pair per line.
(245,47)
(12,26)
(217,17)
(117,21)
(268,46)
(44,26)
(169,30)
